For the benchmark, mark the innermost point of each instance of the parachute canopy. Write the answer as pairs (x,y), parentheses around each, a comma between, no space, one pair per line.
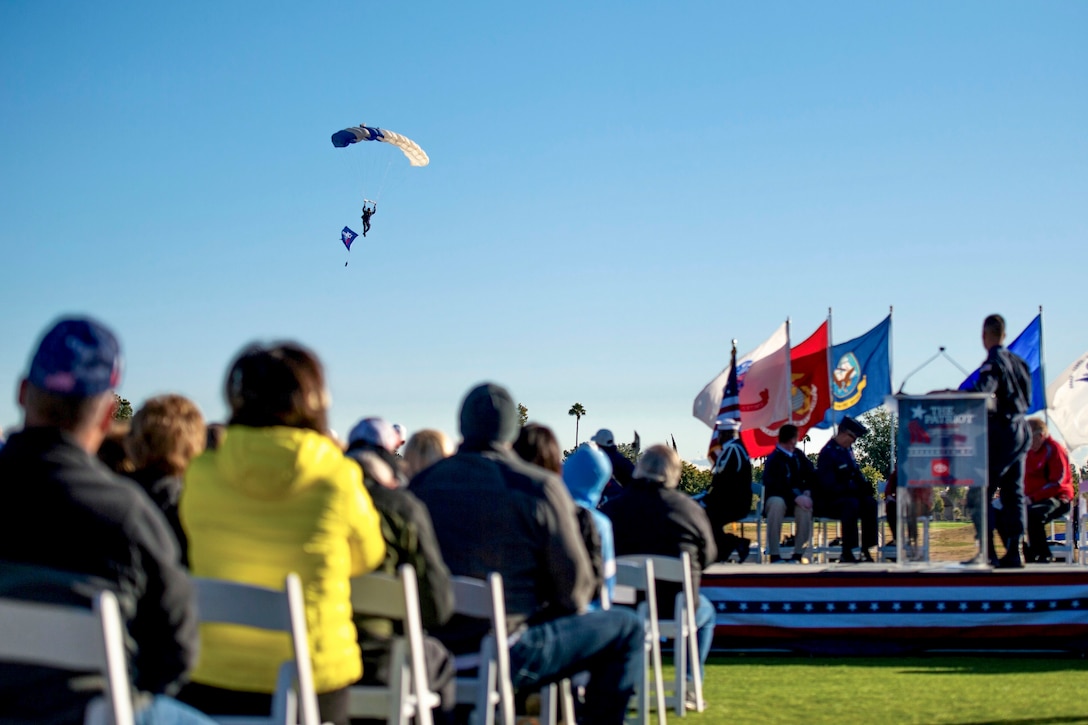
(416,155)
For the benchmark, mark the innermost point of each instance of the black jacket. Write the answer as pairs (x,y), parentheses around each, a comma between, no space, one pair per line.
(494,512)
(788,476)
(165,491)
(648,518)
(60,508)
(730,495)
(1006,375)
(409,538)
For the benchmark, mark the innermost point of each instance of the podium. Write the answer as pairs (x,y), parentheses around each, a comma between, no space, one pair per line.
(941,442)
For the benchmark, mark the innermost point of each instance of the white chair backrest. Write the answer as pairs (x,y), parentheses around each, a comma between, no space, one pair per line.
(395,597)
(71,638)
(487,600)
(228,602)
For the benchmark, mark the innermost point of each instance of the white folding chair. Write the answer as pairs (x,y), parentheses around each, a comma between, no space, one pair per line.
(408,693)
(634,576)
(490,688)
(71,638)
(681,629)
(227,602)
(1062,543)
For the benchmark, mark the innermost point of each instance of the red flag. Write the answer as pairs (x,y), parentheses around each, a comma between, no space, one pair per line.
(809,394)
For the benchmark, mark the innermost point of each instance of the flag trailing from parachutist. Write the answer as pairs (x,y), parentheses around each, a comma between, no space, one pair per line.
(347,237)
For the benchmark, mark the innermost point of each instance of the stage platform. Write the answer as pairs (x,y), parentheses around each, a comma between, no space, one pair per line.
(884,609)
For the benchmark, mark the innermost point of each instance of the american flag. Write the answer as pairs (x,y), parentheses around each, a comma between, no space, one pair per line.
(729,410)
(940,608)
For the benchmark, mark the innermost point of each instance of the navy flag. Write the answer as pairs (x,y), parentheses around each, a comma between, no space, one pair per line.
(861,374)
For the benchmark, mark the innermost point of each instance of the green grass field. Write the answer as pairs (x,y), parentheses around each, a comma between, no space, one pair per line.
(998,688)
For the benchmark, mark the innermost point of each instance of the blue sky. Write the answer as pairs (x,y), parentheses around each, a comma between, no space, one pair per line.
(616,190)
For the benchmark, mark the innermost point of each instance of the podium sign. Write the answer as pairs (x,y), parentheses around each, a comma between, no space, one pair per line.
(941,442)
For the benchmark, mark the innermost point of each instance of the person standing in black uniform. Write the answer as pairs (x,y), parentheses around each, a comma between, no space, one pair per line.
(1006,376)
(729,498)
(844,493)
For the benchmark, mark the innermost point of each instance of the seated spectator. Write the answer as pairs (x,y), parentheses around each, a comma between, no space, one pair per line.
(278,496)
(409,539)
(425,448)
(622,467)
(729,498)
(493,512)
(1048,486)
(378,436)
(844,493)
(165,435)
(652,517)
(112,451)
(216,431)
(788,480)
(538,445)
(63,510)
(586,472)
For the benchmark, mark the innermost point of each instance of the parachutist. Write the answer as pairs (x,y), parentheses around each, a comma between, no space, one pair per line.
(368,211)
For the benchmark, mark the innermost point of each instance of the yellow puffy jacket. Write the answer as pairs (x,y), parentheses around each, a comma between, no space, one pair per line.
(268,502)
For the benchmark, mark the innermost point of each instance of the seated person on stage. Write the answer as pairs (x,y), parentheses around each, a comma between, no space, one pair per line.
(788,477)
(1048,485)
(652,516)
(919,502)
(729,498)
(844,494)
(493,512)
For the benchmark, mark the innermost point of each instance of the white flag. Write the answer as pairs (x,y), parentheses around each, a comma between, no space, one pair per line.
(1067,400)
(764,390)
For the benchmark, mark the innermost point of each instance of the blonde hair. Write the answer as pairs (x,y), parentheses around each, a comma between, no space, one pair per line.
(167,432)
(425,448)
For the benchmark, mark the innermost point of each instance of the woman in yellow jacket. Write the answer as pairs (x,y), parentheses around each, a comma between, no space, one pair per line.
(278,496)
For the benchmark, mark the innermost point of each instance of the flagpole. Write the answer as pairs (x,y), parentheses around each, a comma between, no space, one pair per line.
(891,311)
(830,395)
(1042,370)
(789,372)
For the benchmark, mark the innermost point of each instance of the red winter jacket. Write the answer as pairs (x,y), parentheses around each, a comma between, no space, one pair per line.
(1047,474)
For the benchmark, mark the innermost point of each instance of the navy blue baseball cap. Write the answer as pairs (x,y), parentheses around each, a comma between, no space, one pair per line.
(78,357)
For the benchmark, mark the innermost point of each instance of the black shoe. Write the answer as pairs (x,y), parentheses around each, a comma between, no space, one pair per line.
(848,557)
(775,558)
(799,559)
(1010,561)
(744,548)
(866,556)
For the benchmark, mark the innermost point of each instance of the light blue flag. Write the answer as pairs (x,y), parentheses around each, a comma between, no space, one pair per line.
(861,374)
(1029,346)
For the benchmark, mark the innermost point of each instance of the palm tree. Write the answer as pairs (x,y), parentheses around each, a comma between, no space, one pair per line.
(577,411)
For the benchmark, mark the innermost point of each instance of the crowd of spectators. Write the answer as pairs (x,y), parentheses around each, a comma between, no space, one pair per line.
(141,507)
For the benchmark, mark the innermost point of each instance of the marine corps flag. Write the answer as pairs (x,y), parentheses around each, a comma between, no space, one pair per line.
(809,395)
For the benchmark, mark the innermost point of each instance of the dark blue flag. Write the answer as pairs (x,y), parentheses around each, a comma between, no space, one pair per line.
(861,374)
(347,237)
(1029,346)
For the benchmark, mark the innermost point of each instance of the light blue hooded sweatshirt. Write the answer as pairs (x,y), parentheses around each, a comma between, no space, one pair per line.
(586,471)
